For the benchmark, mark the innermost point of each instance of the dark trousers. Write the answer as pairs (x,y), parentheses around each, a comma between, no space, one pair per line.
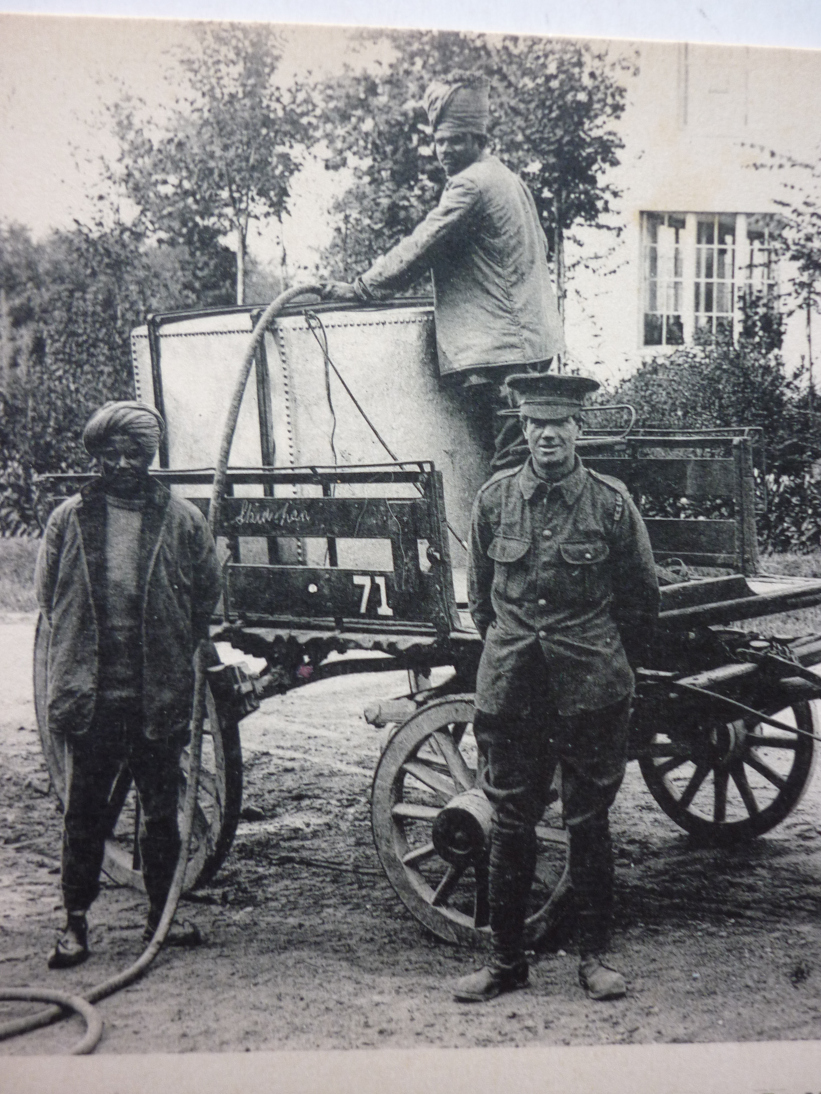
(93,761)
(521,756)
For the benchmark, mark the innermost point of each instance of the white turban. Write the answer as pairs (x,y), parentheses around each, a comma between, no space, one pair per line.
(137,420)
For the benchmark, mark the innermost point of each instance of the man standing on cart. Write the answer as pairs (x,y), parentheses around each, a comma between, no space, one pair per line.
(494,305)
(563,590)
(127,577)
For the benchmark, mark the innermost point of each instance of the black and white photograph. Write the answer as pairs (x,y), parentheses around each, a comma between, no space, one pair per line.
(410,531)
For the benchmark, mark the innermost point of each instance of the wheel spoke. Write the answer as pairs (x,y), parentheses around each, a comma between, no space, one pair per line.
(699,775)
(764,769)
(415,811)
(740,779)
(720,780)
(430,777)
(446,886)
(671,764)
(462,775)
(419,854)
(136,857)
(755,740)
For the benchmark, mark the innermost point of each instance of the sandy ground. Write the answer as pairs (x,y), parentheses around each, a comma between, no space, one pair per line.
(307,945)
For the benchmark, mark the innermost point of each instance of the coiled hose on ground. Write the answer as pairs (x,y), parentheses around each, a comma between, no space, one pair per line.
(62,1003)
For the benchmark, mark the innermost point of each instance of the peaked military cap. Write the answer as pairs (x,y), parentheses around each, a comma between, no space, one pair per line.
(548,396)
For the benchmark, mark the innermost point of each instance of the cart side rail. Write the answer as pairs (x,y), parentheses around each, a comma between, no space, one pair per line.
(340,547)
(699,467)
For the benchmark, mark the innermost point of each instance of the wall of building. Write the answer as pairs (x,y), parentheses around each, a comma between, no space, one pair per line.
(698,119)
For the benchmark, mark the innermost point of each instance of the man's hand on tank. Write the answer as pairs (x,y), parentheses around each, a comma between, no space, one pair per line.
(339,290)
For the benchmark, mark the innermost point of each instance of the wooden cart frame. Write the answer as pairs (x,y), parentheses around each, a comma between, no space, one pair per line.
(723,724)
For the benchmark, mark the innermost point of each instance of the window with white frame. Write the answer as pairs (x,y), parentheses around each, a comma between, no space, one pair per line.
(696,267)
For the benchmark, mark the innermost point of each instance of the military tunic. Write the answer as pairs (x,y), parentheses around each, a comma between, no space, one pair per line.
(565,568)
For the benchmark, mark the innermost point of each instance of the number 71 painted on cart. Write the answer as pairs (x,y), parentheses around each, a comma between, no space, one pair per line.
(367,583)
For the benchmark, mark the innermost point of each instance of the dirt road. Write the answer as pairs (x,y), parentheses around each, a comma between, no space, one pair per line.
(308,947)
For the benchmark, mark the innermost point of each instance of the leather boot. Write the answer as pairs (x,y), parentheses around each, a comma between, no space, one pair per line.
(591,873)
(490,981)
(599,980)
(71,948)
(512,862)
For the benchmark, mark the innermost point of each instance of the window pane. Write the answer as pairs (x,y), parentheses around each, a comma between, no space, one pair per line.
(705,231)
(726,230)
(652,330)
(675,331)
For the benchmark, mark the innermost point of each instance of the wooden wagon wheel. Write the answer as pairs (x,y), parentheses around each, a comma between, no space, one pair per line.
(220,789)
(430,763)
(726,782)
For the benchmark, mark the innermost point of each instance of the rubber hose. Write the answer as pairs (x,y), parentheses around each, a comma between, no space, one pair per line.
(94,1024)
(135,971)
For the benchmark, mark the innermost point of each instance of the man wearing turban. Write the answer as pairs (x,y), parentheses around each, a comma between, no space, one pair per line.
(127,578)
(494,304)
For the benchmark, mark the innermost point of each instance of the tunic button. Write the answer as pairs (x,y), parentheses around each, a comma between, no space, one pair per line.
(587,554)
(547,533)
(542,634)
(542,603)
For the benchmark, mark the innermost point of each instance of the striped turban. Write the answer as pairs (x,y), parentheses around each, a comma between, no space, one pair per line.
(139,421)
(458,105)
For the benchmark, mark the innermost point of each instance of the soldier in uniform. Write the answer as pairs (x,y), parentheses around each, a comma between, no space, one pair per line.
(494,304)
(563,590)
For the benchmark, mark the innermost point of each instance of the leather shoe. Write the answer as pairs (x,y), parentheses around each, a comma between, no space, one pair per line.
(600,981)
(488,982)
(184,934)
(71,948)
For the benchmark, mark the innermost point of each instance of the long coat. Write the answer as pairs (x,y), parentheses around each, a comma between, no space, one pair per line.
(179,582)
(493,300)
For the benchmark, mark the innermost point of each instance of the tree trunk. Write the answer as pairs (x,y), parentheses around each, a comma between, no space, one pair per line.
(811,392)
(240,264)
(558,250)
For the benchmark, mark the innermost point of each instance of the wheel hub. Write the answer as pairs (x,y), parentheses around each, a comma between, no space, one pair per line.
(727,740)
(461,832)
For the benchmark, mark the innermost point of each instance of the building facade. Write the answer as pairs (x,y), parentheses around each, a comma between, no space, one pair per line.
(698,218)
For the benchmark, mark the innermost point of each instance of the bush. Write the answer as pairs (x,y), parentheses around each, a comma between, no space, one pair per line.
(720,384)
(17,558)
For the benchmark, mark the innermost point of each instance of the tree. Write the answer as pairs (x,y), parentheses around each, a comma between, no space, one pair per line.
(69,305)
(225,155)
(553,105)
(799,238)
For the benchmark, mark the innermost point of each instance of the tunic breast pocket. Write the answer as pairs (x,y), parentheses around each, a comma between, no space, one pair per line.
(512,558)
(584,571)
